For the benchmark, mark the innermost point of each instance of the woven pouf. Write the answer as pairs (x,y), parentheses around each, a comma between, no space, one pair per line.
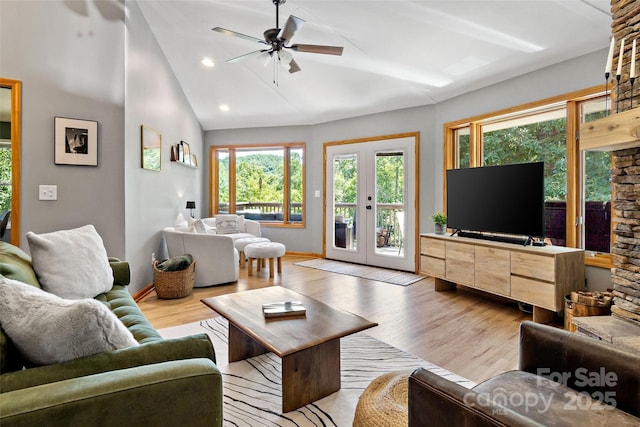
(264,250)
(384,402)
(240,244)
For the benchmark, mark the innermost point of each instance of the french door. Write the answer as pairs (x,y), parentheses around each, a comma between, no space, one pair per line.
(370,215)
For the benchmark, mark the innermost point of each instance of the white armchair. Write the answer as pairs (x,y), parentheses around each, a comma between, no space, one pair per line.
(217,259)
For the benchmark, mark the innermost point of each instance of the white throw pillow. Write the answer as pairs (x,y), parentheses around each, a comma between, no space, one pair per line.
(48,329)
(181,222)
(227,224)
(72,264)
(199,227)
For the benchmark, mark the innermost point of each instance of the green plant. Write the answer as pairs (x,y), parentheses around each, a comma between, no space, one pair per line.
(439,218)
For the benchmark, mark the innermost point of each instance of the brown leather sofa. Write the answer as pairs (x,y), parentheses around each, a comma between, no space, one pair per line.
(563,379)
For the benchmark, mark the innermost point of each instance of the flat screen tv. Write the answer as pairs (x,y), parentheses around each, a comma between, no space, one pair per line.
(506,199)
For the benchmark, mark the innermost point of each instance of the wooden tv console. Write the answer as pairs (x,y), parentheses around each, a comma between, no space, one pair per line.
(540,276)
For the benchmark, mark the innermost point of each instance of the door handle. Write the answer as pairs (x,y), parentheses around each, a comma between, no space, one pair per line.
(368,207)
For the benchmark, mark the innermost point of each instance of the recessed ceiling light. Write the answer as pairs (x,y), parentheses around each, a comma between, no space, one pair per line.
(207,62)
(224,107)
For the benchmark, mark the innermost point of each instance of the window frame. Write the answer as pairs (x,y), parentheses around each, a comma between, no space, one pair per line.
(286,202)
(572,103)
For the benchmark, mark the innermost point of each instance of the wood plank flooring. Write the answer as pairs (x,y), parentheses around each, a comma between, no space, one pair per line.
(470,334)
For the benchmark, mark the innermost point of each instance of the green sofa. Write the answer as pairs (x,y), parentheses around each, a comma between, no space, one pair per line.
(161,382)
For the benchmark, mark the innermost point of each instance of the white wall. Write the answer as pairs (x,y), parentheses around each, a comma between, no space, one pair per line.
(154,98)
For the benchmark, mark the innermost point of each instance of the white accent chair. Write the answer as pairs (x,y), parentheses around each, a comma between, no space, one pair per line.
(217,258)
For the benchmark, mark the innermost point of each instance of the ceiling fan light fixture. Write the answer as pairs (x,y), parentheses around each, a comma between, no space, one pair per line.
(285,57)
(265,57)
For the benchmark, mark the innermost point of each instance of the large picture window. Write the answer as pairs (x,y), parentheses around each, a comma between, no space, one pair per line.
(264,183)
(577,185)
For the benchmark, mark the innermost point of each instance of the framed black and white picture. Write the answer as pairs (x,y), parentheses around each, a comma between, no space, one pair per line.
(76,142)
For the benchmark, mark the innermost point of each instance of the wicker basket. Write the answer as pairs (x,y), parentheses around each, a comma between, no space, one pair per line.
(174,284)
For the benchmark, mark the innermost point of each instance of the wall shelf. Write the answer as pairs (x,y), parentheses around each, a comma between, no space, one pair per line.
(615,132)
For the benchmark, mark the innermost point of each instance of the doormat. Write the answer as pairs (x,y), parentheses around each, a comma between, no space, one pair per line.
(395,277)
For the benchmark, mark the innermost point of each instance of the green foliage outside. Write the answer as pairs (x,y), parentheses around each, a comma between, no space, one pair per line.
(544,141)
(260,178)
(5,178)
(390,178)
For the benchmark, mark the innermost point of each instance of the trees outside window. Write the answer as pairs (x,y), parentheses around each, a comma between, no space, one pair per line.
(265,183)
(5,176)
(577,185)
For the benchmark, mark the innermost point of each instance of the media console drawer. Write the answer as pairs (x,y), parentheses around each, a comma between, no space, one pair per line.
(432,266)
(459,263)
(540,276)
(432,247)
(541,267)
(535,292)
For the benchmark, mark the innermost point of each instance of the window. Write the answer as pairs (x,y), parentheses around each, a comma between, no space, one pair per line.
(577,185)
(264,183)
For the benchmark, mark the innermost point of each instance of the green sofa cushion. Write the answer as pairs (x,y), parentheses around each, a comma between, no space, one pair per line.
(16,264)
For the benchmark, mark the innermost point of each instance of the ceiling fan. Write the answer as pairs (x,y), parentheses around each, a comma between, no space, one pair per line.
(277,40)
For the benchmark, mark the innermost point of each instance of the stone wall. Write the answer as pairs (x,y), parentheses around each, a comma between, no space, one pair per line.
(625,176)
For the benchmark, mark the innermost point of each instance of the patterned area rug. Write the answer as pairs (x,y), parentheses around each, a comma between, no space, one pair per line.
(394,277)
(252,388)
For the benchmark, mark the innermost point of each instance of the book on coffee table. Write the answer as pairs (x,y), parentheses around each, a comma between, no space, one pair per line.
(283,308)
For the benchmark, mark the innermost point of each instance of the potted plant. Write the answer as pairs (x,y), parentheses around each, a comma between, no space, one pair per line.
(440,221)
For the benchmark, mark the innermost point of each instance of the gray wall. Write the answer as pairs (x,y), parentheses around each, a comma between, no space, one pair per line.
(82,60)
(154,98)
(70,66)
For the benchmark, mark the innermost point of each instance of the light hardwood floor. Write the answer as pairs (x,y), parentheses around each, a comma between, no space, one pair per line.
(470,334)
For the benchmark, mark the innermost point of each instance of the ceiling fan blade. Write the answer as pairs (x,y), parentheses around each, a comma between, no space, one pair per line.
(315,48)
(294,67)
(290,27)
(236,34)
(246,55)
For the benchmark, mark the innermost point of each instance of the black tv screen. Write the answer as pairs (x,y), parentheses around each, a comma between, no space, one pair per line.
(506,199)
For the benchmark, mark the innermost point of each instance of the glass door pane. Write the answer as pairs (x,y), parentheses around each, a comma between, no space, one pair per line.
(345,195)
(389,206)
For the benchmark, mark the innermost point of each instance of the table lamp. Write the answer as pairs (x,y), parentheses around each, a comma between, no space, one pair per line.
(191,205)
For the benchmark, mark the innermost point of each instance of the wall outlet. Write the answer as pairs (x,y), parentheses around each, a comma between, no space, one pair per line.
(48,192)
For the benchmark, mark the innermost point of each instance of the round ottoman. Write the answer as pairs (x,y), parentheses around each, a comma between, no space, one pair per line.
(264,250)
(385,402)
(240,244)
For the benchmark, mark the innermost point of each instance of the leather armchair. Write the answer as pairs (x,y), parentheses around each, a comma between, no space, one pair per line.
(563,379)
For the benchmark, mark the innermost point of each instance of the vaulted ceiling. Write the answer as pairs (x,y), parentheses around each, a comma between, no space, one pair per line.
(397,53)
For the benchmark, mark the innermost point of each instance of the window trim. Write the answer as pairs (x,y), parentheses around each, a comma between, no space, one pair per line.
(232,149)
(572,101)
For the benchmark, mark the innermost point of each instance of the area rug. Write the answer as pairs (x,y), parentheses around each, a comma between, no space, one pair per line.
(252,388)
(394,277)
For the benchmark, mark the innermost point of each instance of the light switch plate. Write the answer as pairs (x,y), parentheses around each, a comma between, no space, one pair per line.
(48,192)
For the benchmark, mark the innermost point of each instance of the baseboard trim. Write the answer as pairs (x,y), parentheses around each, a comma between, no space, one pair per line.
(143,292)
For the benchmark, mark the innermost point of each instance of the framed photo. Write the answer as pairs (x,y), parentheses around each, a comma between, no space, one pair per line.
(186,153)
(193,161)
(76,142)
(151,148)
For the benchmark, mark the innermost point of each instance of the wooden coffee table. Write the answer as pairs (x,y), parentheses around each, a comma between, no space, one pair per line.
(309,346)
